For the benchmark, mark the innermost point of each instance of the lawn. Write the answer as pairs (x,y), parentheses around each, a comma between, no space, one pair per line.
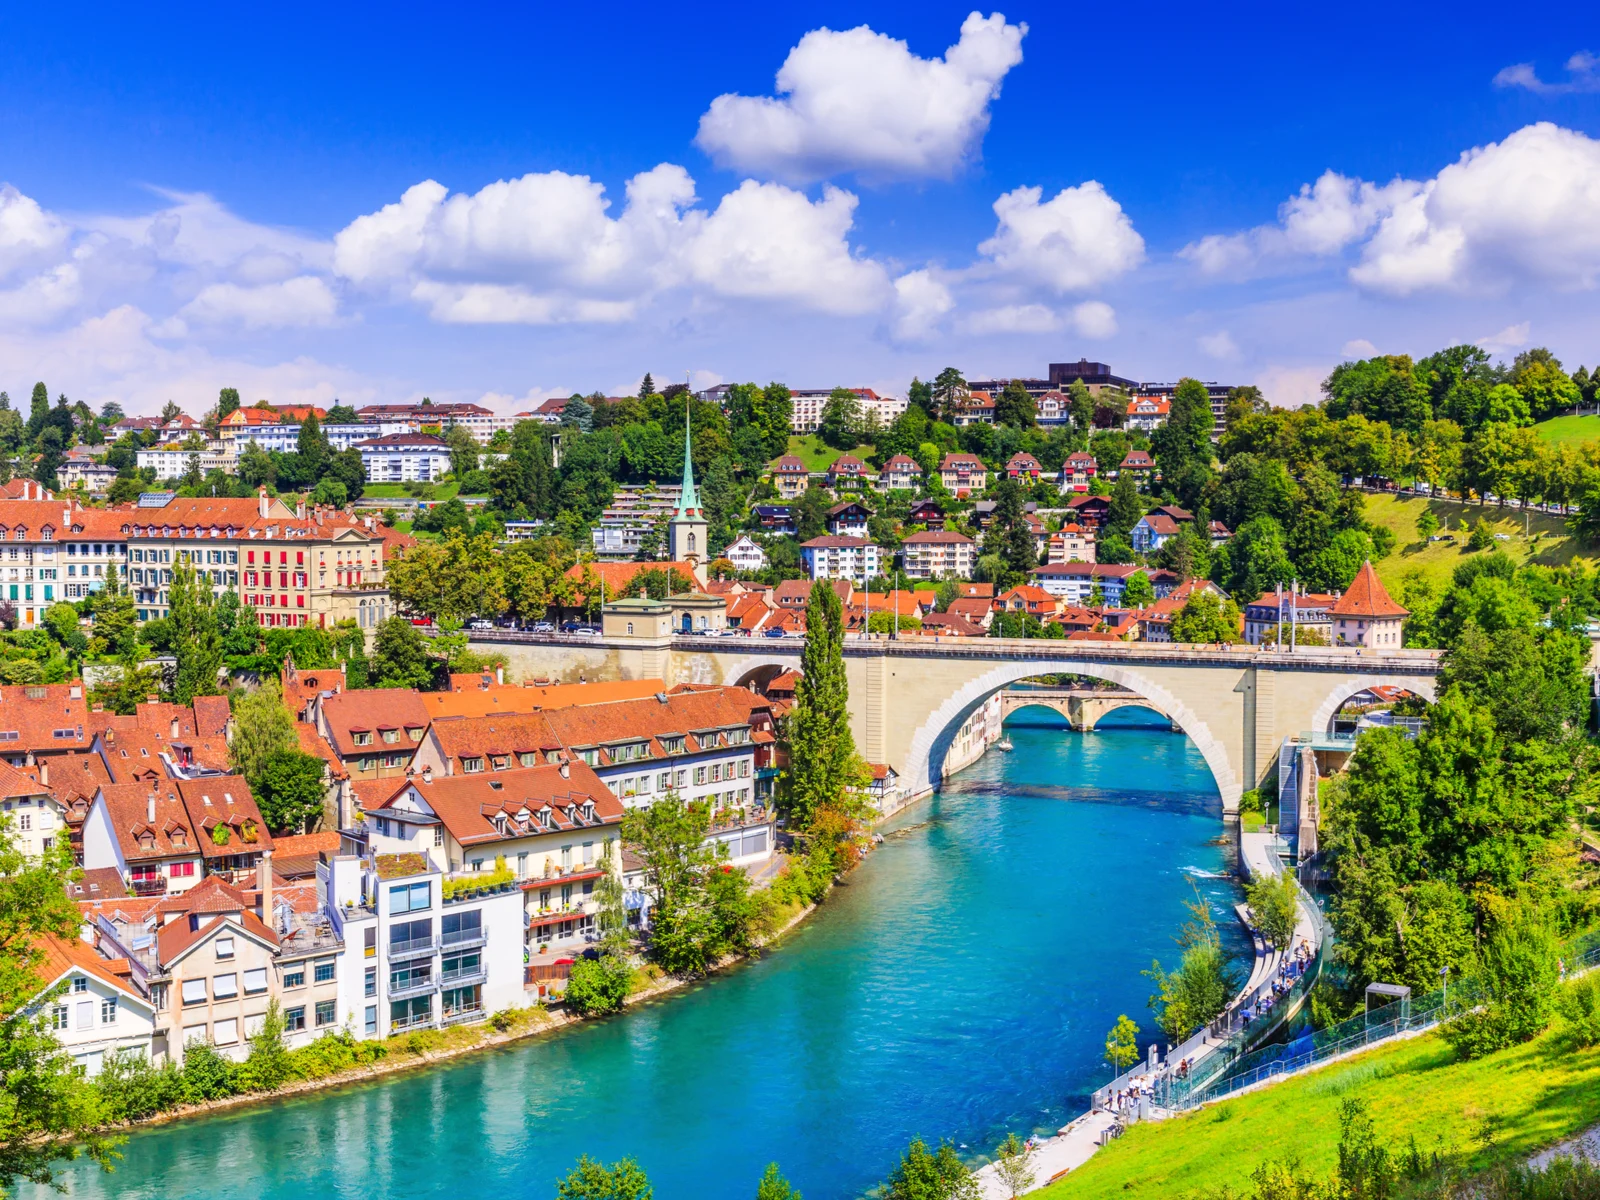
(397,491)
(1547,542)
(1572,428)
(818,455)
(1528,1097)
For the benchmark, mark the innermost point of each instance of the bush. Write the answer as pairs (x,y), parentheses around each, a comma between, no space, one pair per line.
(1251,802)
(598,985)
(207,1075)
(332,1053)
(1579,1006)
(132,1088)
(1482,536)
(1520,974)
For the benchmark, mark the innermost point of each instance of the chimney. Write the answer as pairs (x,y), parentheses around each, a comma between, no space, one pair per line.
(264,882)
(566,771)
(500,676)
(150,808)
(28,762)
(427,773)
(44,773)
(177,731)
(66,520)
(261,495)
(300,509)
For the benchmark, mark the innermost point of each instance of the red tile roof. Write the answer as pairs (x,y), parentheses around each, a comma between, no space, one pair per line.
(60,957)
(943,537)
(1367,598)
(467,805)
(367,710)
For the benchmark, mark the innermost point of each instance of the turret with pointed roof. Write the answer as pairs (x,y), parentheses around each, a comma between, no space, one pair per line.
(1366,615)
(689,500)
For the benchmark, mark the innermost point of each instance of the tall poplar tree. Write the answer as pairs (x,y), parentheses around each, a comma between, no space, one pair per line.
(822,752)
(195,637)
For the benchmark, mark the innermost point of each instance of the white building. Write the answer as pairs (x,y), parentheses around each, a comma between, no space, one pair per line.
(939,554)
(404,458)
(38,820)
(286,438)
(746,554)
(1077,581)
(853,558)
(97,1013)
(413,957)
(80,471)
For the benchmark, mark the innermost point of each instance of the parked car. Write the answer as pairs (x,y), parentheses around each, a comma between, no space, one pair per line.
(481,625)
(570,627)
(543,627)
(776,632)
(587,631)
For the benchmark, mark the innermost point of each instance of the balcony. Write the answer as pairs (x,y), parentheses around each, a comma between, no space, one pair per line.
(463,976)
(472,1012)
(415,948)
(463,939)
(416,1021)
(149,887)
(415,987)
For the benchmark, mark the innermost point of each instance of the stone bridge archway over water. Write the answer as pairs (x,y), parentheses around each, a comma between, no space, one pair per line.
(1083,708)
(908,698)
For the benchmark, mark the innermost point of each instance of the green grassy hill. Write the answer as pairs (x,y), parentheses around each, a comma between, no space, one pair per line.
(1570,428)
(818,455)
(1547,540)
(1529,1097)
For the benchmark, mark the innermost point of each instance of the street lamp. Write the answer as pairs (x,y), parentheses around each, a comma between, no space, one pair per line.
(1445,971)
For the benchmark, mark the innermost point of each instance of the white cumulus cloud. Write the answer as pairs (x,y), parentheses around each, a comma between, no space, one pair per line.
(1512,337)
(921,301)
(28,234)
(1583,75)
(1358,348)
(1522,209)
(1094,319)
(1074,241)
(858,100)
(1219,345)
(302,302)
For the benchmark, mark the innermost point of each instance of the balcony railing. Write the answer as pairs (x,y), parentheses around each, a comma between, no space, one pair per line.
(417,1021)
(464,976)
(463,939)
(150,887)
(415,948)
(474,1012)
(417,986)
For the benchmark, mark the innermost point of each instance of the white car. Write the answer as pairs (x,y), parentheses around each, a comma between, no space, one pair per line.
(481,625)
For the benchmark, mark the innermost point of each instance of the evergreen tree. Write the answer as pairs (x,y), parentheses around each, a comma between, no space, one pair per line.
(1081,402)
(40,410)
(1015,407)
(1010,537)
(920,395)
(822,751)
(1126,507)
(227,402)
(196,641)
(647,387)
(313,448)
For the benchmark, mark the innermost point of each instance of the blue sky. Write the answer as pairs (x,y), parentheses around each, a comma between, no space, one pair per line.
(376,206)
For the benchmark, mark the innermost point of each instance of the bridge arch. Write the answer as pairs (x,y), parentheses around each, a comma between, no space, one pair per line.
(1118,706)
(931,741)
(1425,686)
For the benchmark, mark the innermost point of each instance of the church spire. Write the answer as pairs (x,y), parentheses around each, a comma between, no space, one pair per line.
(689,500)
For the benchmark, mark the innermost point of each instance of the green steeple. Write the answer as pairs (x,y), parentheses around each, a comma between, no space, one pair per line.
(689,501)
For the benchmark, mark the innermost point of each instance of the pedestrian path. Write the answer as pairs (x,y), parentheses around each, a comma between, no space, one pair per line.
(1069,1149)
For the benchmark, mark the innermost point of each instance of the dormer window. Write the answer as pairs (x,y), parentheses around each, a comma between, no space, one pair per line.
(528,758)
(472,765)
(588,810)
(391,736)
(501,762)
(414,732)
(361,737)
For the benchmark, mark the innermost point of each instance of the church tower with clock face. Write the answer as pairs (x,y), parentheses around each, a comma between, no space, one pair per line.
(687,531)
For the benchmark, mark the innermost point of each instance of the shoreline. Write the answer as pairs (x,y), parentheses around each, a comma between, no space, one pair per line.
(542,1024)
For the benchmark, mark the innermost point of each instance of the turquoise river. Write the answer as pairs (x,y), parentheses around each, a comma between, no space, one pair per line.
(960,986)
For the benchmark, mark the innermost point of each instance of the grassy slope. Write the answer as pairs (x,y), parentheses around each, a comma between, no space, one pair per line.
(818,455)
(1537,1093)
(397,491)
(1570,428)
(1548,542)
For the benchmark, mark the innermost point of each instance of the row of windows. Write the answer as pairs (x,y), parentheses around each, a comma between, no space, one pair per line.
(225,986)
(226,1031)
(61,1014)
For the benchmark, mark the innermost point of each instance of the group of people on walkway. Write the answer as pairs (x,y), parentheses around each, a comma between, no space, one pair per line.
(1290,968)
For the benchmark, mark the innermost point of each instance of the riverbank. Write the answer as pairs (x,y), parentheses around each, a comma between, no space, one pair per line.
(409,1052)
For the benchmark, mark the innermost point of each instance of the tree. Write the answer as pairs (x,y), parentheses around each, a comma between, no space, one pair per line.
(949,388)
(227,402)
(1126,507)
(774,1186)
(669,836)
(1010,536)
(39,410)
(1182,446)
(811,513)
(580,413)
(647,387)
(262,728)
(1198,991)
(591,1180)
(290,791)
(598,986)
(1521,975)
(1015,407)
(48,1115)
(1013,1165)
(1122,1044)
(269,1066)
(1254,561)
(1138,591)
(1275,904)
(925,1174)
(822,750)
(1081,401)
(1427,525)
(400,657)
(920,395)
(196,640)
(1206,618)
(464,450)
(840,424)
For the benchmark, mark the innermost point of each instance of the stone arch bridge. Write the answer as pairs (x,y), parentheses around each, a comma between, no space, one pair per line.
(908,698)
(1082,707)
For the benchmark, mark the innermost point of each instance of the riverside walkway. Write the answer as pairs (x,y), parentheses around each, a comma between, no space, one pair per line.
(1153,1090)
